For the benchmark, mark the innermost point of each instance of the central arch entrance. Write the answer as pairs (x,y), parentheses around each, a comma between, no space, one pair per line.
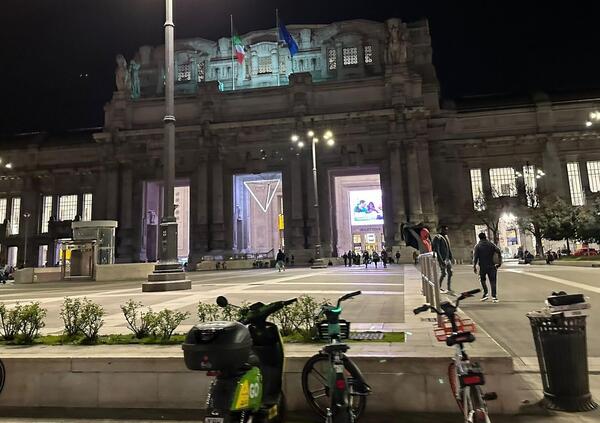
(358,211)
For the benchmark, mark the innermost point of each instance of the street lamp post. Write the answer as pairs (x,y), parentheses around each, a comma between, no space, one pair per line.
(168,274)
(328,137)
(26,215)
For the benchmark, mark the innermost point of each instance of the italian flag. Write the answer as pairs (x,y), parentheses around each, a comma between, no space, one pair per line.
(239,49)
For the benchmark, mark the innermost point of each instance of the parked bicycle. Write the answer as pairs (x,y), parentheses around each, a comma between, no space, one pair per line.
(332,383)
(466,378)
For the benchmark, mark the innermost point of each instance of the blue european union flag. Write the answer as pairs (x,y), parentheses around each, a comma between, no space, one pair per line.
(289,40)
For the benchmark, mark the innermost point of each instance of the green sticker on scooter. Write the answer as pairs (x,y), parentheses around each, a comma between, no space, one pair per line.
(248,394)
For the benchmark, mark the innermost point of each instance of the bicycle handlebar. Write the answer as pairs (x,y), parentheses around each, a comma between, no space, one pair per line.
(461,297)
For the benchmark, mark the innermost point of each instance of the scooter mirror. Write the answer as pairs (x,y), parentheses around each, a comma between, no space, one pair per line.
(222,301)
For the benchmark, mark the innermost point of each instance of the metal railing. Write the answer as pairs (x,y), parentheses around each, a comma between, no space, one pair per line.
(430,286)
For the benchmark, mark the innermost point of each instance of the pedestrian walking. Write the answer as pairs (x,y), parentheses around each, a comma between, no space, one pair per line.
(366,258)
(345,257)
(416,257)
(397,257)
(280,264)
(443,252)
(489,258)
(351,258)
(384,258)
(375,258)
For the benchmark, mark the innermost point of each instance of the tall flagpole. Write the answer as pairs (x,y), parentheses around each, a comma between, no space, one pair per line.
(278,59)
(232,56)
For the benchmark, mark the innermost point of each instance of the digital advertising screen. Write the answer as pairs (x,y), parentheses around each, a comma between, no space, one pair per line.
(366,208)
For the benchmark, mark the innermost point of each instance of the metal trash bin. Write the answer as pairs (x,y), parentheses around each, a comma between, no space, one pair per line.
(559,334)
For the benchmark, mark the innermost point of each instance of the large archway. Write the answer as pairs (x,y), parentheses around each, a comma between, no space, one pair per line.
(358,214)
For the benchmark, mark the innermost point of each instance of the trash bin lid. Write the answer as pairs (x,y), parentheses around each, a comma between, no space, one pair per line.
(562,299)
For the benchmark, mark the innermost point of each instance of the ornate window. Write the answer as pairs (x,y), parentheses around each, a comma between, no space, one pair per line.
(593,169)
(87,207)
(216,71)
(331,59)
(350,55)
(46,212)
(67,207)
(15,215)
(3,202)
(368,55)
(201,71)
(477,189)
(265,65)
(577,194)
(529,178)
(503,181)
(313,63)
(184,72)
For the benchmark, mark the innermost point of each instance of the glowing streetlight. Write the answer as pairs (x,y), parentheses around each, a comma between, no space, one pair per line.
(8,165)
(328,137)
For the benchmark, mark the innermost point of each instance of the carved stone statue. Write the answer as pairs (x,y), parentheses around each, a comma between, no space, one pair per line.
(134,75)
(397,40)
(122,75)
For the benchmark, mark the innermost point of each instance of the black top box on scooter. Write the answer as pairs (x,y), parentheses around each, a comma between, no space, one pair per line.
(217,346)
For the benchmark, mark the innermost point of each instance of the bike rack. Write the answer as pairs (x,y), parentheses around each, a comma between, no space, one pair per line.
(429,281)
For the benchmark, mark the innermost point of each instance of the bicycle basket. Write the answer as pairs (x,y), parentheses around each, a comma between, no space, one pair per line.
(463,323)
(322,333)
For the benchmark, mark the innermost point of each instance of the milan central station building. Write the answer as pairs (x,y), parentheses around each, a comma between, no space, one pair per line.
(401,155)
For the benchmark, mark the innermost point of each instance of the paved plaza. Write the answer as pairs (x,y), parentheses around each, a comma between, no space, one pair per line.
(388,296)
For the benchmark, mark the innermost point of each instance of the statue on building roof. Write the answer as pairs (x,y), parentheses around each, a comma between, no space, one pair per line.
(397,40)
(122,74)
(134,70)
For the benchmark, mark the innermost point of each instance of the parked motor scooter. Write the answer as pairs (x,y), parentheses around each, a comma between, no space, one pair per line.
(246,358)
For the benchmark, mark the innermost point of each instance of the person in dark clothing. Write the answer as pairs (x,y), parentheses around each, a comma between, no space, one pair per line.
(397,257)
(489,258)
(366,259)
(280,261)
(443,253)
(345,257)
(375,258)
(384,258)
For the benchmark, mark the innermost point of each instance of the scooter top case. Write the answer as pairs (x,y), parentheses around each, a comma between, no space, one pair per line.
(218,345)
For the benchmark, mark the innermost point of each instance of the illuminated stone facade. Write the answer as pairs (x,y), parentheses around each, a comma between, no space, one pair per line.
(381,100)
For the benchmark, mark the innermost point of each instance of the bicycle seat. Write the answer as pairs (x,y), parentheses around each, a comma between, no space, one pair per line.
(460,338)
(328,349)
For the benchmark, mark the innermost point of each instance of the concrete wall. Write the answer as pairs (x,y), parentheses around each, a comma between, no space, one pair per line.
(35,275)
(399,383)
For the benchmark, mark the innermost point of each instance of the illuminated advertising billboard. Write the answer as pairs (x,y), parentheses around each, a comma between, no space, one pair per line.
(366,208)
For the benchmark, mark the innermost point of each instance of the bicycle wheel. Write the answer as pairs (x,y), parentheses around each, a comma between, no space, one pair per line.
(477,408)
(315,385)
(2,375)
(455,386)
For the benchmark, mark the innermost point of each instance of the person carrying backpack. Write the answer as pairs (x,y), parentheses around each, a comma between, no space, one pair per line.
(489,258)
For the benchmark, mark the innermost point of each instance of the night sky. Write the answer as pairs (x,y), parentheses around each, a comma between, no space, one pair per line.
(480,47)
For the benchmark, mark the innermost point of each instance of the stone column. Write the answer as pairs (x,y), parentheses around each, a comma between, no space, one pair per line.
(254,63)
(556,173)
(485,182)
(414,185)
(397,195)
(293,205)
(585,179)
(217,227)
(28,227)
(274,62)
(124,230)
(426,187)
(325,212)
(198,214)
(339,52)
